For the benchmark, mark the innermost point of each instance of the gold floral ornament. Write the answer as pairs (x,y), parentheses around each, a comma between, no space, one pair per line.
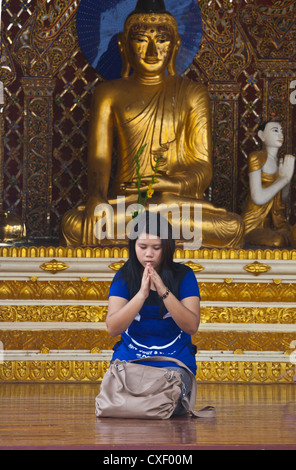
(54,266)
(196,267)
(116,265)
(257,268)
(150,190)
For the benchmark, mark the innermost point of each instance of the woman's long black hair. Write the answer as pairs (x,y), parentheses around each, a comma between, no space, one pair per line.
(170,272)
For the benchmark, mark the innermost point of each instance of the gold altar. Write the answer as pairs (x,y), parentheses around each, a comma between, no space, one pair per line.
(53,303)
(53,300)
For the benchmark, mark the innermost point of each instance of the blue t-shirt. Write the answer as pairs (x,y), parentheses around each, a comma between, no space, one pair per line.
(151,334)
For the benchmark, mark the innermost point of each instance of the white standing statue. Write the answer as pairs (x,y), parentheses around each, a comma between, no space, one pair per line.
(265,211)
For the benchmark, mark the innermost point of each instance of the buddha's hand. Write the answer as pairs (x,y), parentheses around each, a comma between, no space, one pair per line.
(93,216)
(286,168)
(162,183)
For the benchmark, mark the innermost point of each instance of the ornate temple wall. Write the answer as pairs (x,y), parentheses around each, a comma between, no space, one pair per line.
(247,57)
(53,301)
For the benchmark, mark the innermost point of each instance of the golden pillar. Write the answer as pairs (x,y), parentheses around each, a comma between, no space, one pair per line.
(224,109)
(37,178)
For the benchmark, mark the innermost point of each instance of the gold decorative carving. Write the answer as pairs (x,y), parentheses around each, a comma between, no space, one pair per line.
(53,290)
(238,341)
(224,102)
(95,340)
(197,268)
(38,141)
(116,265)
(248,292)
(274,315)
(116,252)
(91,290)
(54,266)
(52,313)
(93,371)
(87,313)
(257,268)
(245,372)
(95,350)
(45,341)
(7,71)
(42,49)
(53,371)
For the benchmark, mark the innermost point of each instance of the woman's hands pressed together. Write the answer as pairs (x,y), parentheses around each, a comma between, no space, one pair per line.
(186,313)
(121,312)
(155,281)
(146,283)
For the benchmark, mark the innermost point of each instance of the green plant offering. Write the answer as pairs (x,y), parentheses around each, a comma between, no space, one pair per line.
(150,190)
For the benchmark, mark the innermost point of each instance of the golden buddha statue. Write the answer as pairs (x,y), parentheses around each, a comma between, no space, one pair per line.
(265,213)
(167,115)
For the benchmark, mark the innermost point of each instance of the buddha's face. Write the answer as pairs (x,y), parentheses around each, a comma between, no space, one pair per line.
(273,135)
(150,48)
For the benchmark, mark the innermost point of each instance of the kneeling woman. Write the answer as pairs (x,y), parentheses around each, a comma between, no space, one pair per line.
(154,302)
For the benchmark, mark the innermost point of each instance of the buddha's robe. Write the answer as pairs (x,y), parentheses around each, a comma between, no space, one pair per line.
(173,121)
(175,124)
